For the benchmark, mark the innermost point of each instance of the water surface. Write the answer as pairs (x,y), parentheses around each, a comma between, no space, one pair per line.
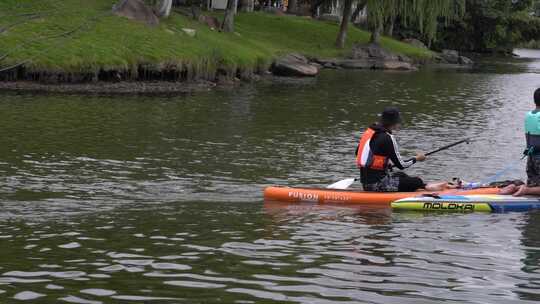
(159,199)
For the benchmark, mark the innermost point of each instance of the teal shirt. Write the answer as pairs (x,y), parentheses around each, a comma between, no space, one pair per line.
(532,123)
(532,131)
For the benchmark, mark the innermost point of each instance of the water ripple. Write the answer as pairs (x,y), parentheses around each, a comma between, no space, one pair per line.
(150,199)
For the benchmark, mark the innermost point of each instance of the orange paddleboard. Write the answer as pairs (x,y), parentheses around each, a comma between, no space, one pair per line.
(333,196)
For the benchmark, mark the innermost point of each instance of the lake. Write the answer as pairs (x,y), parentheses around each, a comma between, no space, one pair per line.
(140,199)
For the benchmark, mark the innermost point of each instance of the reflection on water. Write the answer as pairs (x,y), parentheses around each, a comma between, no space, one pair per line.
(139,199)
(224,252)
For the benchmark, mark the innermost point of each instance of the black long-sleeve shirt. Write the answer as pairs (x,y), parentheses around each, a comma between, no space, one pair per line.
(383,143)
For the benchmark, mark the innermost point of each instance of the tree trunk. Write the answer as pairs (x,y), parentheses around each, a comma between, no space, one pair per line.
(315,7)
(342,35)
(228,21)
(359,8)
(376,34)
(389,31)
(247,5)
(292,8)
(195,11)
(163,10)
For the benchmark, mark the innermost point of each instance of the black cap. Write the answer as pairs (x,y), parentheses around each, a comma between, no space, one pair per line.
(390,116)
(537,97)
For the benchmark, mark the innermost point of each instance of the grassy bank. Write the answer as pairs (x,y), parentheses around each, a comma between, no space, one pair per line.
(81,40)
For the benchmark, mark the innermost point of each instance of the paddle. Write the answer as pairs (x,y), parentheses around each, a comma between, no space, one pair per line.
(466,140)
(346,183)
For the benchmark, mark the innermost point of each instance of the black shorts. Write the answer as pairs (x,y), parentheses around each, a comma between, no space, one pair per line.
(397,182)
(533,170)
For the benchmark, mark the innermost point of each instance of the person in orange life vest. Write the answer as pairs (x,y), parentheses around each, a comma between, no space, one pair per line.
(378,151)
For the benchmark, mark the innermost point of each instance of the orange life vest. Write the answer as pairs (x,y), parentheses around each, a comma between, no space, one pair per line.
(365,157)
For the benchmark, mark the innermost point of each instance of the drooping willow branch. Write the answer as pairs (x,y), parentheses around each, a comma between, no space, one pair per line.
(424,14)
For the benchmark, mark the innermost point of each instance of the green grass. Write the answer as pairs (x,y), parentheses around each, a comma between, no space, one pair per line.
(108,42)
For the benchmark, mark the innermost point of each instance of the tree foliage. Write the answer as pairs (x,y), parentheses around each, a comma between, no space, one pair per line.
(424,15)
(491,26)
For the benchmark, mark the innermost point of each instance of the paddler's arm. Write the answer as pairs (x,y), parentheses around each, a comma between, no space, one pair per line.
(396,158)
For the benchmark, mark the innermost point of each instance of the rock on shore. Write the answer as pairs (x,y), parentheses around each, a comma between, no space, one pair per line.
(363,56)
(415,42)
(294,65)
(453,57)
(370,56)
(136,10)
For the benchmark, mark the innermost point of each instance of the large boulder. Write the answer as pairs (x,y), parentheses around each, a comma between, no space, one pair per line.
(372,56)
(369,56)
(366,64)
(465,60)
(327,63)
(371,51)
(294,65)
(395,65)
(453,57)
(450,56)
(375,52)
(375,64)
(355,64)
(415,42)
(136,10)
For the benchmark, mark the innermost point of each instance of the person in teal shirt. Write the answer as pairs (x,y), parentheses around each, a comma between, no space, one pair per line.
(532,135)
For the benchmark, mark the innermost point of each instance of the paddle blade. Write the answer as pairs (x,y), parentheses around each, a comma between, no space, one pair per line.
(342,184)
